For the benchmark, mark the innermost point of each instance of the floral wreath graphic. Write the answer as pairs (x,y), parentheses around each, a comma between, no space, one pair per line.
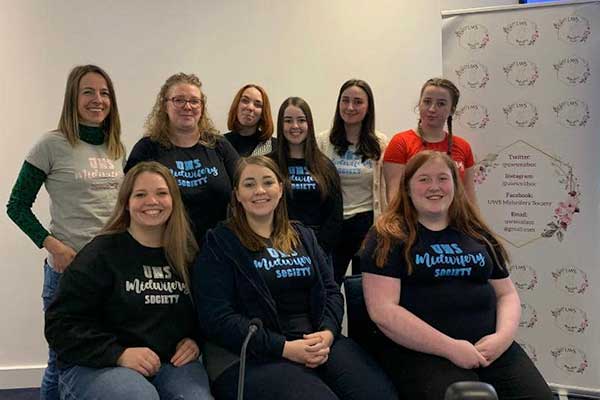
(566,210)
(526,124)
(529,41)
(475,45)
(563,214)
(569,79)
(477,84)
(572,289)
(573,122)
(572,328)
(578,38)
(532,320)
(579,369)
(480,124)
(529,285)
(530,80)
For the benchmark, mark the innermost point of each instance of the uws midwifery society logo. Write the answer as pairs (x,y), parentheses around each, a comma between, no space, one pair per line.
(530,350)
(570,319)
(573,29)
(472,37)
(570,359)
(572,70)
(474,116)
(529,316)
(521,73)
(521,114)
(572,113)
(523,276)
(521,33)
(571,280)
(473,75)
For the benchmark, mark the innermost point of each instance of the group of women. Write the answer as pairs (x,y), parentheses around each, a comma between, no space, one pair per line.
(177,256)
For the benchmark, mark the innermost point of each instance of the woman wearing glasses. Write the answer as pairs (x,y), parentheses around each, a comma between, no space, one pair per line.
(181,135)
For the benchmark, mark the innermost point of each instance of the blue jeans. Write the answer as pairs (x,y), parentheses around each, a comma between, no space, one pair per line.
(49,386)
(188,382)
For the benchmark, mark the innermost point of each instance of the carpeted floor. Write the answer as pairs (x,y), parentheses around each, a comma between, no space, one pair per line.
(20,394)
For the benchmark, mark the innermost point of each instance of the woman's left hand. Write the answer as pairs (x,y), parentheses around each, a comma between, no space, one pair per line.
(320,349)
(492,346)
(186,350)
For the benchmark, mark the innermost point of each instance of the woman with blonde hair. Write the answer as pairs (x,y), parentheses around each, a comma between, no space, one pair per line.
(123,321)
(181,135)
(435,280)
(437,104)
(250,122)
(81,165)
(260,265)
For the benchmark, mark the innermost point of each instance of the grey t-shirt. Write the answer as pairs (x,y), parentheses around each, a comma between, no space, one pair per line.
(82,182)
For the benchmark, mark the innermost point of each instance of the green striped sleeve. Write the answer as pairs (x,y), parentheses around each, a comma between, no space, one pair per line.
(22,197)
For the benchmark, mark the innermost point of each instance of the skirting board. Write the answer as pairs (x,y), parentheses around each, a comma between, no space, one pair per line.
(21,377)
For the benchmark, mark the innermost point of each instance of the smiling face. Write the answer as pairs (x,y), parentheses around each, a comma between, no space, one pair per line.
(431,190)
(183,119)
(354,104)
(250,108)
(295,126)
(93,99)
(258,191)
(435,106)
(150,203)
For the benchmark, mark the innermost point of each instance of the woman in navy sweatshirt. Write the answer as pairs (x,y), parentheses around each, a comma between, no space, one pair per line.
(259,265)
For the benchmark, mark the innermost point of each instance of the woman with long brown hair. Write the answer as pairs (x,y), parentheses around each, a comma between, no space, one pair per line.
(436,283)
(123,321)
(260,265)
(81,165)
(313,193)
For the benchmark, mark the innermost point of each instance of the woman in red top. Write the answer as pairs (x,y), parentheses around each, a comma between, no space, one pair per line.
(437,104)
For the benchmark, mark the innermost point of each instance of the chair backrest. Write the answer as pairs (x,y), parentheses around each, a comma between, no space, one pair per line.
(469,390)
(360,327)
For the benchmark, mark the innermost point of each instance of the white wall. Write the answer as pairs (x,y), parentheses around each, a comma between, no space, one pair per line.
(306,48)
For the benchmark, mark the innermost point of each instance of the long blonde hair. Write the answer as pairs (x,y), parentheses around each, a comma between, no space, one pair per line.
(178,241)
(284,236)
(157,122)
(68,123)
(398,224)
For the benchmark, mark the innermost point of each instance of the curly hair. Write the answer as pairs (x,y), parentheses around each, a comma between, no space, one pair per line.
(157,122)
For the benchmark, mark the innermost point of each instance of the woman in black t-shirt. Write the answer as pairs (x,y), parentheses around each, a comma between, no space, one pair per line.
(259,265)
(250,122)
(436,284)
(123,323)
(314,195)
(181,135)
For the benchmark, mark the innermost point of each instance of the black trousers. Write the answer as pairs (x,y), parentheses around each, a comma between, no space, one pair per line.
(354,230)
(349,374)
(426,377)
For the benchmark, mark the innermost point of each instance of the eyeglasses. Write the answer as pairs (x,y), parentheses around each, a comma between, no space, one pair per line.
(180,102)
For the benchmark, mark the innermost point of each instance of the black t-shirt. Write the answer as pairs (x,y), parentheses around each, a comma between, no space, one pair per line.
(203,175)
(304,201)
(117,294)
(289,278)
(245,145)
(449,287)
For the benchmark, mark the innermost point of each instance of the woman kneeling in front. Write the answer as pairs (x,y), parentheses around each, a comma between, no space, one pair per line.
(457,313)
(259,265)
(123,323)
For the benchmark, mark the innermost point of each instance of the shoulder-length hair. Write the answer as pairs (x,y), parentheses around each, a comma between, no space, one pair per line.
(177,240)
(398,224)
(157,122)
(368,145)
(454,97)
(68,123)
(265,123)
(284,236)
(318,164)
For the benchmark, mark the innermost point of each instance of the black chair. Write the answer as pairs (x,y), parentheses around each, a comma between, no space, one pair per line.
(470,391)
(360,327)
